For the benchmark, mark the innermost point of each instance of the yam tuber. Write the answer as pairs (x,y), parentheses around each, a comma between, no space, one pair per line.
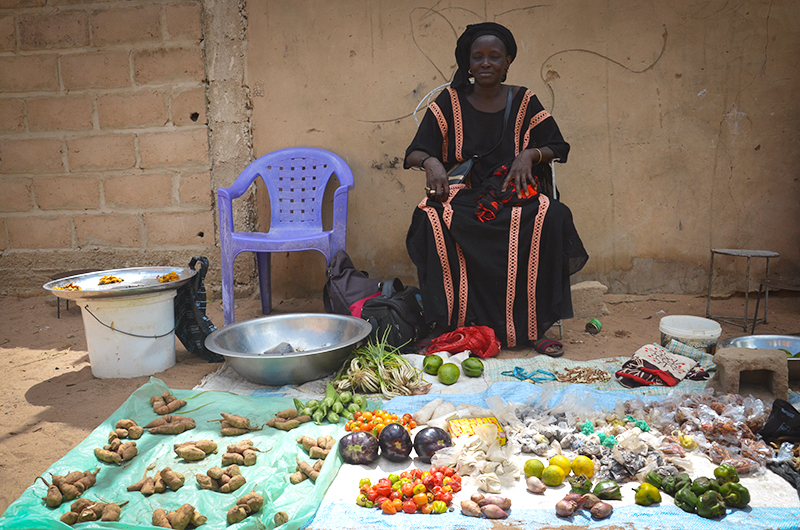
(239,422)
(160,518)
(69,518)
(308,470)
(246,505)
(236,514)
(287,425)
(54,497)
(318,453)
(233,484)
(191,453)
(288,414)
(180,518)
(216,472)
(206,483)
(281,518)
(250,457)
(125,424)
(112,511)
(232,458)
(166,403)
(172,479)
(111,457)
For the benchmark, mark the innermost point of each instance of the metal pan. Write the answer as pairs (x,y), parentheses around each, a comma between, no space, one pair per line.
(136,281)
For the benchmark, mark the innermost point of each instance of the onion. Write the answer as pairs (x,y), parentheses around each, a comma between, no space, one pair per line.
(565,508)
(493,511)
(477,497)
(589,500)
(575,498)
(535,485)
(601,510)
(470,508)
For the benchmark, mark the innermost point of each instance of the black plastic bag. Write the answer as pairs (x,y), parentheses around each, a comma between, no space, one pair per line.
(399,309)
(783,424)
(192,326)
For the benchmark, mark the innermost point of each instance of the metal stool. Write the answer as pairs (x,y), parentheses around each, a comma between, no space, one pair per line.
(739,253)
(777,283)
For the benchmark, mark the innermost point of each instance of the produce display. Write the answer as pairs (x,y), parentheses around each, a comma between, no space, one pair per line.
(379,367)
(184,517)
(288,419)
(242,454)
(116,452)
(414,491)
(318,449)
(170,424)
(69,487)
(159,483)
(84,510)
(126,428)
(334,406)
(222,480)
(166,403)
(193,451)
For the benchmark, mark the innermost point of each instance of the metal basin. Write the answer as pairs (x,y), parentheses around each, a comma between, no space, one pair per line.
(321,343)
(769,342)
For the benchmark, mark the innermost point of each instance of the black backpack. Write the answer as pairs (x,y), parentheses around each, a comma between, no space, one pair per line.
(399,309)
(192,326)
(346,285)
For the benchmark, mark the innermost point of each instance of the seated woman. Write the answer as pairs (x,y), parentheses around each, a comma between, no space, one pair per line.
(493,250)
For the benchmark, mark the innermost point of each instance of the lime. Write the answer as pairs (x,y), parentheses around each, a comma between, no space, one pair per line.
(583,465)
(553,476)
(534,468)
(562,462)
(448,373)
(472,367)
(431,364)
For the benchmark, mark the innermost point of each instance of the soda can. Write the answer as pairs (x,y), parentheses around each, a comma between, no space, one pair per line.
(594,326)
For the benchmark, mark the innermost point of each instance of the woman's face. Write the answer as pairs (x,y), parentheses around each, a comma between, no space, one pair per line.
(488,60)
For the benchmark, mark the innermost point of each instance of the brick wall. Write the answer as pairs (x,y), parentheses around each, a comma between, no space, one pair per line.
(104,150)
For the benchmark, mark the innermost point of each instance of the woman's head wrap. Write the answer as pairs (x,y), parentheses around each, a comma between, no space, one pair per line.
(464,43)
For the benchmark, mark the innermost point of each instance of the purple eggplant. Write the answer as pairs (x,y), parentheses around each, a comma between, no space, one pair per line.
(429,440)
(395,442)
(359,448)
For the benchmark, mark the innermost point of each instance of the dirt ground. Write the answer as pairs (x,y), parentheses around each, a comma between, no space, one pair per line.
(52,401)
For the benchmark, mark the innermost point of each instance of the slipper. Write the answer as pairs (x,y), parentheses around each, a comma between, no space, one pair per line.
(543,345)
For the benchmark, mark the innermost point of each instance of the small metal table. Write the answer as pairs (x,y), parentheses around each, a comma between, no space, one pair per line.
(740,253)
(775,283)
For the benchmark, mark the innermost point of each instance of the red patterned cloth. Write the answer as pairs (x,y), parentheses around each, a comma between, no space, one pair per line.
(494,199)
(480,340)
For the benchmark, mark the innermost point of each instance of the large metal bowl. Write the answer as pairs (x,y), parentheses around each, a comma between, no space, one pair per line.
(322,343)
(769,342)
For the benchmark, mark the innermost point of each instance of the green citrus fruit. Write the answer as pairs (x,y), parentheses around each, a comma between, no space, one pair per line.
(431,364)
(448,373)
(553,476)
(534,468)
(562,462)
(472,367)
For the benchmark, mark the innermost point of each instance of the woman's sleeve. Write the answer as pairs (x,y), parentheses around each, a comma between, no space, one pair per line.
(544,131)
(428,137)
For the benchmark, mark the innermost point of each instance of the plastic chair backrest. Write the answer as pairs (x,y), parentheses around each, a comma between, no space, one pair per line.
(296,179)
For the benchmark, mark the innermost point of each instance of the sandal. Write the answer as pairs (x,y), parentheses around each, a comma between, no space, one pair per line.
(550,347)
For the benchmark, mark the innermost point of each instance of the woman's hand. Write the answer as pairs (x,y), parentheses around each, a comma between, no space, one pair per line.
(521,174)
(437,186)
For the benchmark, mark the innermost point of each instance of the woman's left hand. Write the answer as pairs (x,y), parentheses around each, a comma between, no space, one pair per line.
(521,174)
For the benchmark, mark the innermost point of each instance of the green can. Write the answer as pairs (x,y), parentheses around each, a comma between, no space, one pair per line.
(594,326)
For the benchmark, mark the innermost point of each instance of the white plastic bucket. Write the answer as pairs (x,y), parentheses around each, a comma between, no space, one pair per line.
(697,332)
(110,325)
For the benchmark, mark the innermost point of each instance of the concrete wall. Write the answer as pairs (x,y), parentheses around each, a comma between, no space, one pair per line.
(104,144)
(118,120)
(682,119)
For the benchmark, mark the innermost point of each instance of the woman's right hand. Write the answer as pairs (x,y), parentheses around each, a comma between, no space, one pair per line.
(437,185)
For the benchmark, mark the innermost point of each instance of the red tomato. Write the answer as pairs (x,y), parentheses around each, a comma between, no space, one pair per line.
(388,508)
(447,497)
(407,417)
(449,472)
(438,478)
(410,506)
(407,489)
(417,473)
(380,500)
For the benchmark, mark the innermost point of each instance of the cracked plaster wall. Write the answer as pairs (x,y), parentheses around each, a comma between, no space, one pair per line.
(681,116)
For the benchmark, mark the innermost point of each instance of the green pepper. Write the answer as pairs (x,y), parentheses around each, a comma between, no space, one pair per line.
(686,500)
(681,480)
(608,490)
(704,484)
(647,494)
(726,473)
(710,505)
(654,478)
(735,495)
(580,484)
(672,484)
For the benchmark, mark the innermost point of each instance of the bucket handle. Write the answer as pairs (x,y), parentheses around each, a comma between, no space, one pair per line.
(112,328)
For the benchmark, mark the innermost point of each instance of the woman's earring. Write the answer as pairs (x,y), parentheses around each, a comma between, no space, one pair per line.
(470,72)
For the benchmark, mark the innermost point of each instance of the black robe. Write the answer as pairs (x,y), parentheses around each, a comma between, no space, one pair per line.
(465,277)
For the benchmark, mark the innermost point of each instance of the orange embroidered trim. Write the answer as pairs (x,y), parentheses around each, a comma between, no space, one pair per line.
(513,249)
(533,266)
(458,125)
(536,120)
(437,113)
(523,108)
(438,237)
(462,287)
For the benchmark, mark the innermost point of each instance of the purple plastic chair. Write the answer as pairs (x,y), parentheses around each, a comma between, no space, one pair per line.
(296,179)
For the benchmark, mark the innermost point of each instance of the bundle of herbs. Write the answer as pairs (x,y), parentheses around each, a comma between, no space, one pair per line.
(379,367)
